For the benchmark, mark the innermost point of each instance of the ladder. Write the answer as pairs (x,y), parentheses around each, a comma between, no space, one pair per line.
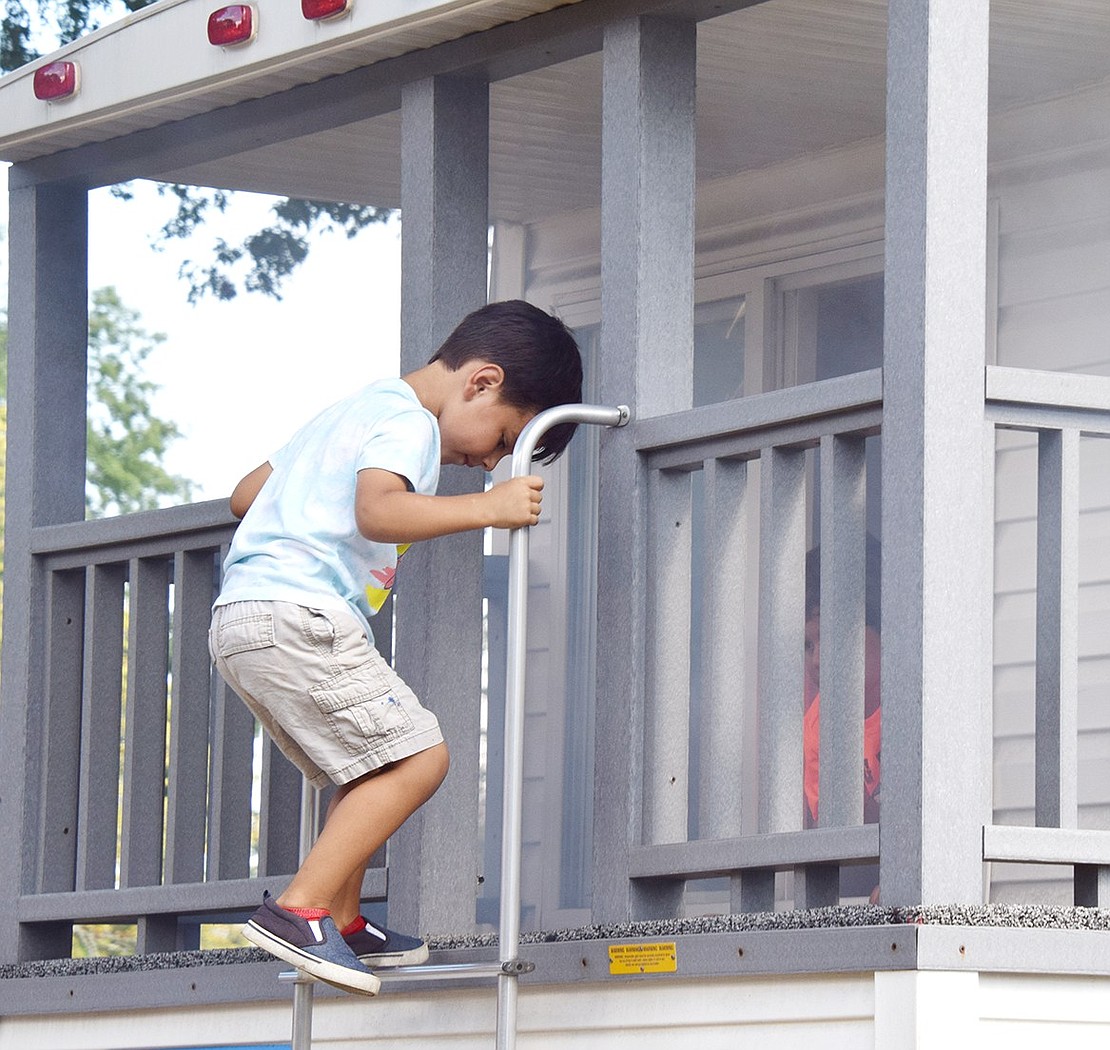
(508,966)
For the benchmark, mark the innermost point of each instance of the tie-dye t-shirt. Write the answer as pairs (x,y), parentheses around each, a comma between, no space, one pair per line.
(299,542)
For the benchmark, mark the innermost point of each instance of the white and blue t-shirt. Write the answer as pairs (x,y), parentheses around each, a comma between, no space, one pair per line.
(299,542)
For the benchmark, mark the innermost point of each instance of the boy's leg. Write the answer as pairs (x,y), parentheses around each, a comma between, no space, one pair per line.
(365,815)
(348,902)
(375,945)
(367,812)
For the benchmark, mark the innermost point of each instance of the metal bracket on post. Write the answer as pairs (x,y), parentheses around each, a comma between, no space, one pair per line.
(508,968)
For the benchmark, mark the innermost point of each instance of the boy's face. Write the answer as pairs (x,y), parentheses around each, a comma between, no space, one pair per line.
(871,659)
(477,429)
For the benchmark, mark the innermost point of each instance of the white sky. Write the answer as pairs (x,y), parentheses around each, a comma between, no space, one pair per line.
(239,377)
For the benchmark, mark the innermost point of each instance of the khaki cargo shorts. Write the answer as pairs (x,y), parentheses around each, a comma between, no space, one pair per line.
(330,702)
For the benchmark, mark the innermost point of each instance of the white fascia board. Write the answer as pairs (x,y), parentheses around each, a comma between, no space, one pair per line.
(161,55)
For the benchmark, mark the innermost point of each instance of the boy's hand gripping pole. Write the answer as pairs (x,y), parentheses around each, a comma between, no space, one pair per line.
(509,939)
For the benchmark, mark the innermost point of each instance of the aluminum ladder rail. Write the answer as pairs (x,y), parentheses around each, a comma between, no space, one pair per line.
(508,967)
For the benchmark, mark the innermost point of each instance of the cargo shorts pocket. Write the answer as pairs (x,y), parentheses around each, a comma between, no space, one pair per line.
(242,635)
(362,709)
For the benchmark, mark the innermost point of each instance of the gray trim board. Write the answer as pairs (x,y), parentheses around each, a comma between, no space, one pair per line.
(112,905)
(808,403)
(1046,845)
(752,952)
(1031,951)
(187,979)
(1025,386)
(173,986)
(172,523)
(709,857)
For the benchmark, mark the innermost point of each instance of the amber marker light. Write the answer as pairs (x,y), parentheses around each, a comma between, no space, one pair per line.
(317,10)
(231,25)
(56,81)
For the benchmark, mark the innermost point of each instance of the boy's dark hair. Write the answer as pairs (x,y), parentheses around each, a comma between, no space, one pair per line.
(537,353)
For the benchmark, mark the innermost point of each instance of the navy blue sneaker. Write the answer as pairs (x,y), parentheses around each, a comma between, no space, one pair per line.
(312,945)
(376,946)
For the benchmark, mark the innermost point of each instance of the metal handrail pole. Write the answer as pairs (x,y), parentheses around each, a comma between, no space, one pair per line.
(301,1038)
(509,935)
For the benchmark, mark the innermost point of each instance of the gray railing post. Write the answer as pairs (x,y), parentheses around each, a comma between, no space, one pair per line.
(1057,686)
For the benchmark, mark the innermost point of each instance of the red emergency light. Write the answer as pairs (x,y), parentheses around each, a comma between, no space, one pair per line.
(231,25)
(316,10)
(56,80)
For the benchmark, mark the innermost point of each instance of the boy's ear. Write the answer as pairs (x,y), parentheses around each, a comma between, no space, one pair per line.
(486,377)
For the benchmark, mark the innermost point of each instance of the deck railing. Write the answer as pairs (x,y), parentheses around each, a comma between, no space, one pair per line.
(709,521)
(153,793)
(703,813)
(159,803)
(1059,409)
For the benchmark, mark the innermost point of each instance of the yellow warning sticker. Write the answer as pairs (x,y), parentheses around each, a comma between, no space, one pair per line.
(656,957)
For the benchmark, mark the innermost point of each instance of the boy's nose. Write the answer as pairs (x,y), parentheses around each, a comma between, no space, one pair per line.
(492,460)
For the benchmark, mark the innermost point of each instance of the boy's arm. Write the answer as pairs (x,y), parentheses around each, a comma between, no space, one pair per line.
(387,512)
(248,488)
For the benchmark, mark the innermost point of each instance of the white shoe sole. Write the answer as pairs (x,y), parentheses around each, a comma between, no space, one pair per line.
(413,957)
(343,977)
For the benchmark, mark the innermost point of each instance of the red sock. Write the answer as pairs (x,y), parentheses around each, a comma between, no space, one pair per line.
(356,924)
(309,913)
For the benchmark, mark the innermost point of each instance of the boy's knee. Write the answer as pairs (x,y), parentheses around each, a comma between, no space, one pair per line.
(426,769)
(439,759)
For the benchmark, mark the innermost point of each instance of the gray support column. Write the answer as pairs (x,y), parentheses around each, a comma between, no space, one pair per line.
(647,238)
(444,210)
(45,484)
(934,566)
(434,860)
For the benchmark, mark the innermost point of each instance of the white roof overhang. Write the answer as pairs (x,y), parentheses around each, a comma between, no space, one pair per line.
(156,66)
(312,109)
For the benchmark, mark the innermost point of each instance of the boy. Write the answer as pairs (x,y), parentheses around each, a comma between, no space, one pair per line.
(324,523)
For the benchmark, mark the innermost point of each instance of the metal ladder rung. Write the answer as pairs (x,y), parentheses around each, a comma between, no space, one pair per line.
(432,972)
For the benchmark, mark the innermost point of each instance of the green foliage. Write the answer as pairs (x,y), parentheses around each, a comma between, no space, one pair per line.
(15,37)
(60,20)
(264,259)
(127,441)
(96,940)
